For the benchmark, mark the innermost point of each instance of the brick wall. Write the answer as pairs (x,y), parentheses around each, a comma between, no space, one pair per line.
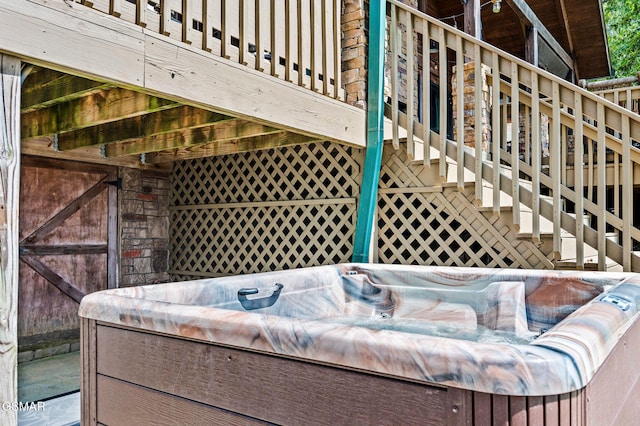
(144,227)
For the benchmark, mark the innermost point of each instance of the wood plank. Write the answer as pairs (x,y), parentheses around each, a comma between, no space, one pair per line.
(246,382)
(96,108)
(122,403)
(518,410)
(180,72)
(45,272)
(54,163)
(59,250)
(230,147)
(181,117)
(226,130)
(65,213)
(482,408)
(113,239)
(10,82)
(58,88)
(68,36)
(43,147)
(500,410)
(88,385)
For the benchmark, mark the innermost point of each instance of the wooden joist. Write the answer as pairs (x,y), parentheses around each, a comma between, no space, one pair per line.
(47,87)
(190,138)
(275,140)
(168,120)
(96,108)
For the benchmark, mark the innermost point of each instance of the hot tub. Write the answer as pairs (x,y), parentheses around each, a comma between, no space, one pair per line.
(366,344)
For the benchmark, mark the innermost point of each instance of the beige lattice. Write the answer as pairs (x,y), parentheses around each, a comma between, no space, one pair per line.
(266,210)
(441,226)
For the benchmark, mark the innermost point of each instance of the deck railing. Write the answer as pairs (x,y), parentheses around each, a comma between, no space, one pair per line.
(626,97)
(297,41)
(581,177)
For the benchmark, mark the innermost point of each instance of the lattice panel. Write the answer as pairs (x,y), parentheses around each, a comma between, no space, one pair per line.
(254,239)
(264,210)
(446,229)
(302,172)
(422,224)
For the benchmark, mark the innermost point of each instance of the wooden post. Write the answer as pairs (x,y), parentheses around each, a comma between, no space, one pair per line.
(472,20)
(9,191)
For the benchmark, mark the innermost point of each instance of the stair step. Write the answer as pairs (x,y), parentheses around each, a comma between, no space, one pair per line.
(570,266)
(529,235)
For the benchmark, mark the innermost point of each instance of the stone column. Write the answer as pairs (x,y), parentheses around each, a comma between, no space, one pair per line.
(469,106)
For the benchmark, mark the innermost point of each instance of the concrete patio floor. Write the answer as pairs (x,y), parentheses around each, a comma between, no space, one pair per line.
(54,382)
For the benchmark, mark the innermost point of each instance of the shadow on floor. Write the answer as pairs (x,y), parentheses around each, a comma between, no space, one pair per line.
(52,383)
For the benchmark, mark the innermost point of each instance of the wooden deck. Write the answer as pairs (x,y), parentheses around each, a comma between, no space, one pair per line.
(193,103)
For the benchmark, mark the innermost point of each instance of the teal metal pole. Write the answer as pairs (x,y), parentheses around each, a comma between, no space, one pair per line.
(375,132)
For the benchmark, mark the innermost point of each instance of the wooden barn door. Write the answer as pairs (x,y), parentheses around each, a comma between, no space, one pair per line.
(67,238)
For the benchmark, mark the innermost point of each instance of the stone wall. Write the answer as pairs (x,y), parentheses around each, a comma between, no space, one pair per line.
(354,46)
(144,227)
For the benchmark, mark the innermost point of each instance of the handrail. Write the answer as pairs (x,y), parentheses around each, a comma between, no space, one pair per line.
(604,167)
(298,41)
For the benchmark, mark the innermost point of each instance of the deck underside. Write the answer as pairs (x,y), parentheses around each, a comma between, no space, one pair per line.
(108,91)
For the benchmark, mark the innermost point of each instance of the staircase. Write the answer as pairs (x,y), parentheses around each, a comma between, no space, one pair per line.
(523,167)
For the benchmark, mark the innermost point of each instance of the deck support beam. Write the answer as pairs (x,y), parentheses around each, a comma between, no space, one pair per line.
(375,134)
(10,83)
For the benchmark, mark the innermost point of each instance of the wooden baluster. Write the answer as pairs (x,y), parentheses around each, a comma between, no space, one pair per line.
(259,53)
(165,17)
(495,131)
(287,40)
(527,135)
(312,41)
(115,8)
(393,41)
(242,36)
(141,13)
(477,57)
(337,51)
(301,66)
(274,39)
(555,151)
(602,189)
(426,93)
(187,26)
(324,46)
(408,23)
(225,37)
(206,45)
(536,158)
(515,145)
(627,196)
(444,84)
(460,142)
(578,160)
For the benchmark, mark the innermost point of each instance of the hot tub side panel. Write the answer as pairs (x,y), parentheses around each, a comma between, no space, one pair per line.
(612,395)
(145,378)
(138,377)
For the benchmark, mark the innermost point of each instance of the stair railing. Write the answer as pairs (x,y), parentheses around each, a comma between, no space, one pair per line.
(297,41)
(626,97)
(566,153)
